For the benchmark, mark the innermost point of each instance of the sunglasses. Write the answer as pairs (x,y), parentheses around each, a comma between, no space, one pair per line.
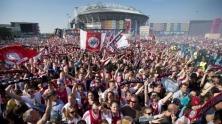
(95,110)
(30,92)
(148,113)
(132,101)
(72,112)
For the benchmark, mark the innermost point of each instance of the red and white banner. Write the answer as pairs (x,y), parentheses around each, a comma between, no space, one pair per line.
(119,41)
(91,41)
(122,42)
(196,114)
(16,54)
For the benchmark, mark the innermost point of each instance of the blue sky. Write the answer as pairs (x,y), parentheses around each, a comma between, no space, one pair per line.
(53,13)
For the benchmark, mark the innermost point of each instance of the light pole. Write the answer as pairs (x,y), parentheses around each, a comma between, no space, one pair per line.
(68,17)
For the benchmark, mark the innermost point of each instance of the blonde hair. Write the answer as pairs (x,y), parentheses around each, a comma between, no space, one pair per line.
(126,120)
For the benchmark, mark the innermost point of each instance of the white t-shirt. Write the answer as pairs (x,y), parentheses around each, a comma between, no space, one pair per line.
(66,106)
(28,101)
(86,117)
(74,120)
(31,101)
(79,98)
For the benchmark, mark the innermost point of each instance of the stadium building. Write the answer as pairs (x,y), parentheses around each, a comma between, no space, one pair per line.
(109,17)
(23,29)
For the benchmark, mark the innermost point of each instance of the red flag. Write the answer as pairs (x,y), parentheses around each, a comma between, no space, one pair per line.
(16,54)
(91,41)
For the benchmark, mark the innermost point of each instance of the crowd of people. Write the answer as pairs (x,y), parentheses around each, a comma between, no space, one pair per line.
(168,81)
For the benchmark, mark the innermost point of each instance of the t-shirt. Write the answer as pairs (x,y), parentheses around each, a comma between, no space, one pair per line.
(63,95)
(56,112)
(74,120)
(28,101)
(88,117)
(145,119)
(112,118)
(128,111)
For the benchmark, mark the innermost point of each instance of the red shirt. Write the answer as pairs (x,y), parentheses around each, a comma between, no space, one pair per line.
(115,118)
(94,120)
(63,95)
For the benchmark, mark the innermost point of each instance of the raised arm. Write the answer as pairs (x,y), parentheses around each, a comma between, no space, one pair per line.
(88,71)
(7,91)
(146,93)
(203,80)
(116,72)
(70,76)
(139,90)
(204,77)
(164,100)
(46,115)
(74,88)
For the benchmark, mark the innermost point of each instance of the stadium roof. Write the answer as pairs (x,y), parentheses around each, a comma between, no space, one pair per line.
(99,7)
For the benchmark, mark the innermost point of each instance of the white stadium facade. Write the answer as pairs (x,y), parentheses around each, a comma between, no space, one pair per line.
(108,17)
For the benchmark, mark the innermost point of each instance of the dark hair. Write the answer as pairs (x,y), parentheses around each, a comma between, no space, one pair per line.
(18,92)
(215,90)
(218,115)
(104,121)
(97,103)
(184,84)
(81,122)
(108,93)
(114,102)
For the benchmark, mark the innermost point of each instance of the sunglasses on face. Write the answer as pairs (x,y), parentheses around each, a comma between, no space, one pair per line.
(72,112)
(148,113)
(95,110)
(30,92)
(132,101)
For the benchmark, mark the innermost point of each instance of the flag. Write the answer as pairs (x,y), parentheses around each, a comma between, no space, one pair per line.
(16,54)
(64,36)
(122,42)
(119,41)
(111,47)
(109,36)
(127,25)
(91,41)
